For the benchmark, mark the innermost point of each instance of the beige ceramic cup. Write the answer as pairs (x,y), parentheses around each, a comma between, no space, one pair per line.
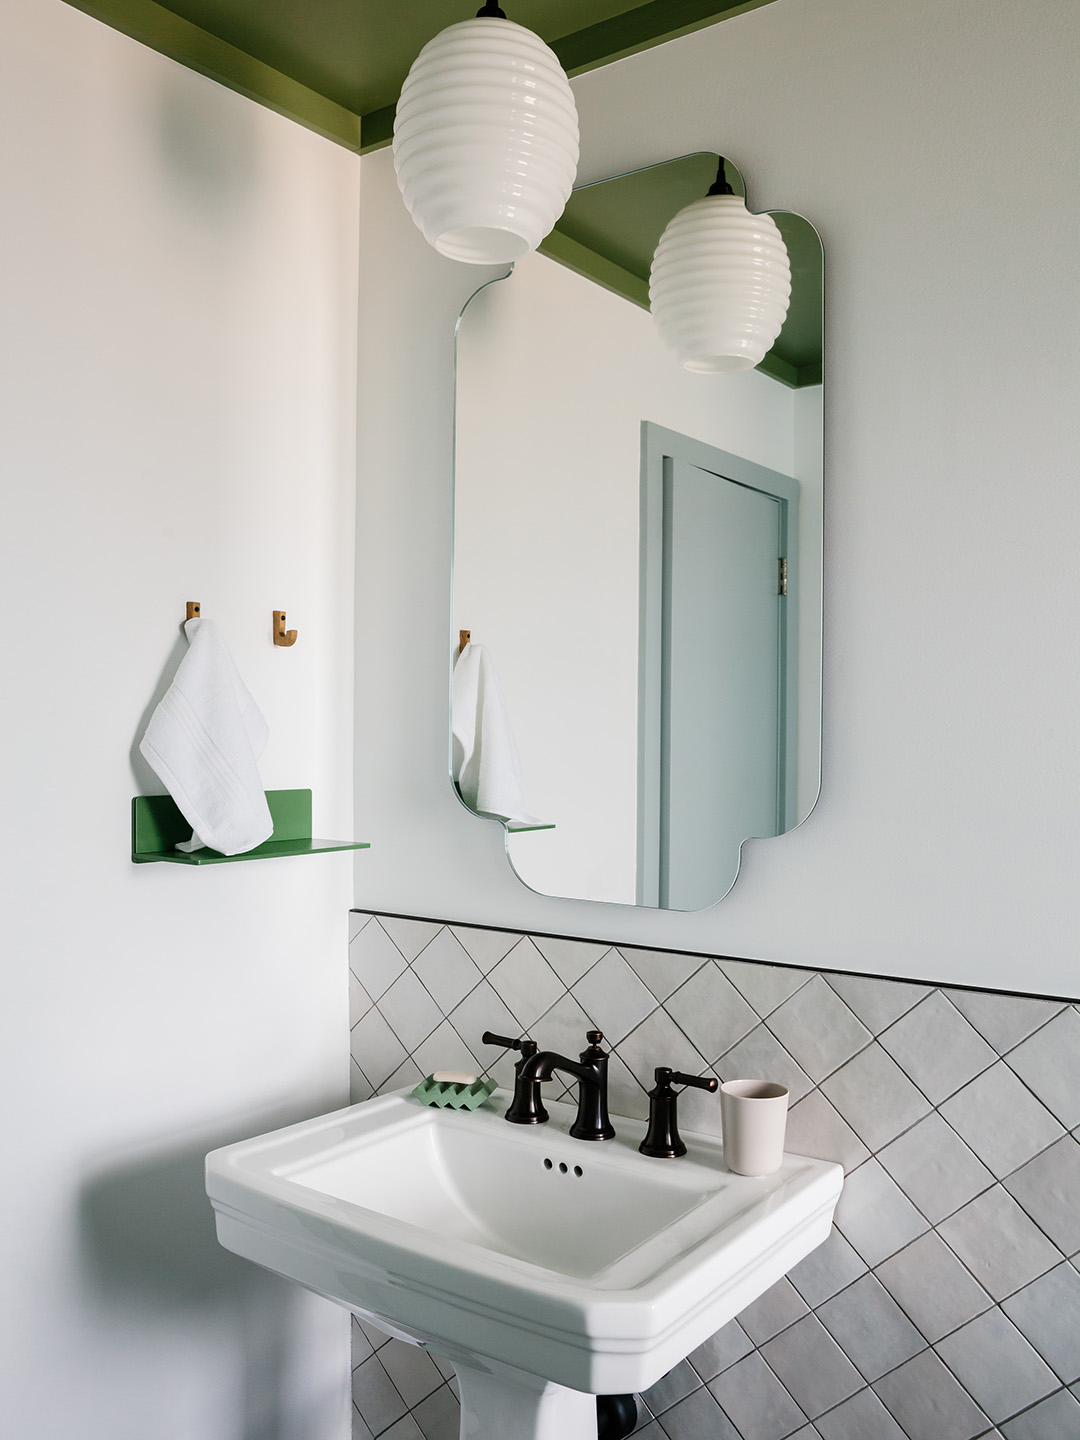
(754,1117)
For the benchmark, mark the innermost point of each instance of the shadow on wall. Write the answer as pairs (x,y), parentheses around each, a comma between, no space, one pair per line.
(150,1255)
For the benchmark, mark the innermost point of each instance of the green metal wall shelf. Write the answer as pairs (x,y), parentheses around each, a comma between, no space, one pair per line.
(156,826)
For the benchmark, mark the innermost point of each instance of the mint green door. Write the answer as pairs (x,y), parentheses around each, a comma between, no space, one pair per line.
(721,776)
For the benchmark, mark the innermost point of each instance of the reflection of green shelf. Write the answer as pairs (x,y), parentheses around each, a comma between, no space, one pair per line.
(156,826)
(521,829)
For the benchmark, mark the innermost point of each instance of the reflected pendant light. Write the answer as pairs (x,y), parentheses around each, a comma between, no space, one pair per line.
(486,140)
(720,283)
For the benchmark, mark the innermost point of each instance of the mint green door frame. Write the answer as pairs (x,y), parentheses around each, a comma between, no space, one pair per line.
(659,448)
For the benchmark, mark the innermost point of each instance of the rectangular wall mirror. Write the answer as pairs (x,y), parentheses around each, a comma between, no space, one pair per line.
(637,560)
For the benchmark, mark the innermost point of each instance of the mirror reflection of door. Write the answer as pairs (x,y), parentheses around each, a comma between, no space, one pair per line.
(558,366)
(718,679)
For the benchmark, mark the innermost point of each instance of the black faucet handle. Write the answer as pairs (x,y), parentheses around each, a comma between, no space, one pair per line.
(527,1047)
(676,1077)
(593,1037)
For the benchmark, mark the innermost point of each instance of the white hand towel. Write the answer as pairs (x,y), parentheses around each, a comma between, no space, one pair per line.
(486,765)
(204,740)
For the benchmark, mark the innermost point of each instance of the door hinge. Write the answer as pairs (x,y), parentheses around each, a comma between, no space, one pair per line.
(781,576)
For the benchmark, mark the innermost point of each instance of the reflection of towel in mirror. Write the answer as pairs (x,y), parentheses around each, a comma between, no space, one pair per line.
(204,740)
(486,766)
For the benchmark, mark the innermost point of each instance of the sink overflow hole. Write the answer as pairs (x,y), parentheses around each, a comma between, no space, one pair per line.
(564,1169)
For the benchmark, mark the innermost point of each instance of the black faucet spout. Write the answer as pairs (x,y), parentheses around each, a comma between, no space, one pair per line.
(590,1071)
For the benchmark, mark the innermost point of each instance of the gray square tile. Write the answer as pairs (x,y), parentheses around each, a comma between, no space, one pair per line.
(405,1429)
(410,1010)
(375,1047)
(444,1049)
(870,1328)
(570,958)
(663,971)
(1050,1064)
(357,920)
(613,997)
(563,1028)
(721,1350)
(672,1388)
(360,1346)
(815,1128)
(408,1074)
(996,1365)
(934,1167)
(1048,1188)
(483,1010)
(1001,1120)
(375,960)
(928,1403)
(376,1338)
(485,947)
(376,1396)
(818,1029)
(1001,1247)
(698,1417)
(409,935)
(439,1416)
(526,983)
(626,1097)
(932,1287)
(876,1002)
(1004,1020)
(808,1432)
(1056,1418)
(875,1097)
(700,1111)
(827,1270)
(813,1368)
(760,1056)
(780,1306)
(711,1011)
(755,1402)
(653,1430)
(411,1368)
(659,1041)
(446,970)
(937,1047)
(359,1000)
(875,1215)
(360,1087)
(863,1417)
(1047,1312)
(359,1429)
(764,986)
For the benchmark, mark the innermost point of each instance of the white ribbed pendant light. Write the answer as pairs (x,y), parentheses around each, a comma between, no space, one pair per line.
(720,283)
(486,140)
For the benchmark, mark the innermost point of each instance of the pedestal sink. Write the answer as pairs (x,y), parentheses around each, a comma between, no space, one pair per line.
(547,1270)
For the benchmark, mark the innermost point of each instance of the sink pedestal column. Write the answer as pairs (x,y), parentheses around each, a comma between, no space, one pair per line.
(507,1404)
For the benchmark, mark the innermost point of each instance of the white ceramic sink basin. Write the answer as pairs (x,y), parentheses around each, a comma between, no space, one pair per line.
(523,1255)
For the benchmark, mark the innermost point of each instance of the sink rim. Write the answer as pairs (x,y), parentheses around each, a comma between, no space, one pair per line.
(479,1306)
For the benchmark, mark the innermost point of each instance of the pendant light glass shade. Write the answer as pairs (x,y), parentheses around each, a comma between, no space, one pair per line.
(486,141)
(720,285)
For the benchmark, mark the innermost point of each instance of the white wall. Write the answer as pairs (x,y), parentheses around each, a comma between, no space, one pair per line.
(555,376)
(934,147)
(177,353)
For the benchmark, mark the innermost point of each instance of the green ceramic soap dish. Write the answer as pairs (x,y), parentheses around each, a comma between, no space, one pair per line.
(458,1096)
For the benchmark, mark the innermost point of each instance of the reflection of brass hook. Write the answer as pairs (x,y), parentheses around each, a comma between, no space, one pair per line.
(194,610)
(464,636)
(281,635)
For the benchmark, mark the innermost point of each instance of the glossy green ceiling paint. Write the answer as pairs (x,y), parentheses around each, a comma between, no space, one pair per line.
(337,66)
(609,231)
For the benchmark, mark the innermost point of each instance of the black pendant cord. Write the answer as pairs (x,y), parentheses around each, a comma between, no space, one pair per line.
(720,185)
(490,11)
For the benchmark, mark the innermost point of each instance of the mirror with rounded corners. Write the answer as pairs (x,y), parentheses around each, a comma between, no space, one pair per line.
(637,562)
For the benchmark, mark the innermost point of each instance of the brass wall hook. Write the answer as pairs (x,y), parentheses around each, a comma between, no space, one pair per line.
(281,635)
(194,610)
(464,636)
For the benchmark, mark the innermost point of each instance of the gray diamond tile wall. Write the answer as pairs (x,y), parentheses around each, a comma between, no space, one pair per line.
(946,1303)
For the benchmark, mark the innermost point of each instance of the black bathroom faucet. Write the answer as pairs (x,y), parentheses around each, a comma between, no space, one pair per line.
(590,1071)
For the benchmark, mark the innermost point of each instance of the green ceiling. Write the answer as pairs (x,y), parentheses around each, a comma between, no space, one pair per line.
(337,65)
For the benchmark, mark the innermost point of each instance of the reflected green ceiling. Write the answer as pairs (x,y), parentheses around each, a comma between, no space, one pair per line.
(337,65)
(609,231)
